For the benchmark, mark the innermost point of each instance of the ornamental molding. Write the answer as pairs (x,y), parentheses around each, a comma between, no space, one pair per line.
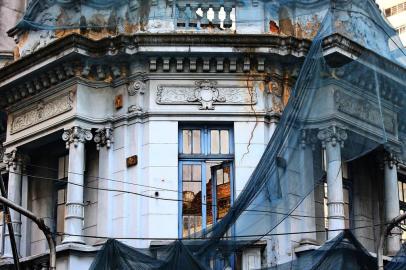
(363,110)
(138,85)
(206,93)
(42,111)
(103,137)
(76,135)
(333,134)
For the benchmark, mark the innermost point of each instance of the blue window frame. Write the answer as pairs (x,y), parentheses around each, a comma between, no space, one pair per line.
(206,173)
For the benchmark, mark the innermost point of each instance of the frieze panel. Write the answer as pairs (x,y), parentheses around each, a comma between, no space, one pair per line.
(43,111)
(363,110)
(206,93)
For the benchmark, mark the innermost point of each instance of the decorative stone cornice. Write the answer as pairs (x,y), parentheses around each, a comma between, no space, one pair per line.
(333,134)
(76,135)
(103,137)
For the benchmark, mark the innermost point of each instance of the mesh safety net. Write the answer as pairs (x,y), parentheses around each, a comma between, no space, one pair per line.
(337,81)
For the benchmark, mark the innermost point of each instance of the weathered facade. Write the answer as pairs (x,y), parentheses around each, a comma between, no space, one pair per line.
(118,110)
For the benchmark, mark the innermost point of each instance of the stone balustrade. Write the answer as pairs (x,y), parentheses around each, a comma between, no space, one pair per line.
(202,15)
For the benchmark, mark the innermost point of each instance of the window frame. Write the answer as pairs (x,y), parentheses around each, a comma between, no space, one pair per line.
(203,158)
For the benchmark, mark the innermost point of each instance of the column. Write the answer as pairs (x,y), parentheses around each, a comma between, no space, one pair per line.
(391,202)
(14,166)
(332,139)
(104,139)
(75,139)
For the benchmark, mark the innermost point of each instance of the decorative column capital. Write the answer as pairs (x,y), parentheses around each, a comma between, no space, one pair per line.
(13,158)
(103,137)
(333,134)
(308,138)
(76,135)
(390,159)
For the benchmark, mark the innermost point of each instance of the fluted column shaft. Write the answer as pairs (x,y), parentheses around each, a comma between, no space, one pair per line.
(75,141)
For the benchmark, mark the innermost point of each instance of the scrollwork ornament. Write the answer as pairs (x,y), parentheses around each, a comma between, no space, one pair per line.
(334,135)
(206,93)
(135,87)
(76,135)
(103,137)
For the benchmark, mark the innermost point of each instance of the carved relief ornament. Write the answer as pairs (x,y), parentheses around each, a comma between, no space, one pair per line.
(206,93)
(76,135)
(42,111)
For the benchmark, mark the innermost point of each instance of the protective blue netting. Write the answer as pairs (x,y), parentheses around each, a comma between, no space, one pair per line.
(349,95)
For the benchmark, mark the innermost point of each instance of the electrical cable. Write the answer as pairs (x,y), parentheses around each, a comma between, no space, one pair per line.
(207,238)
(178,200)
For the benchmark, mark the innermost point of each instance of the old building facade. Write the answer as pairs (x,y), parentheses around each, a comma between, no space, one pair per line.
(118,111)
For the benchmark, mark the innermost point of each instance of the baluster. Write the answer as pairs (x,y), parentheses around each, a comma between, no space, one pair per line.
(193,15)
(204,22)
(227,21)
(181,16)
(216,20)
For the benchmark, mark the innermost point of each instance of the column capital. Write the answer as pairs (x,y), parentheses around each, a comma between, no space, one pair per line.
(308,137)
(13,158)
(390,159)
(104,137)
(76,135)
(333,134)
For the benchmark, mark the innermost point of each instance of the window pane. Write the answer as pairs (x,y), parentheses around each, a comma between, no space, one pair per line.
(61,168)
(346,195)
(197,173)
(219,176)
(192,200)
(214,142)
(344,168)
(226,174)
(196,142)
(404,191)
(66,165)
(61,196)
(187,141)
(400,189)
(224,138)
(223,195)
(187,172)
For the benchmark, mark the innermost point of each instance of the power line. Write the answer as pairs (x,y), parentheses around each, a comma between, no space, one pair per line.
(183,201)
(98,177)
(209,238)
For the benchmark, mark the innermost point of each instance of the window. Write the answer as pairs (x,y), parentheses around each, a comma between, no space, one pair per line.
(395,9)
(205,170)
(402,201)
(60,190)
